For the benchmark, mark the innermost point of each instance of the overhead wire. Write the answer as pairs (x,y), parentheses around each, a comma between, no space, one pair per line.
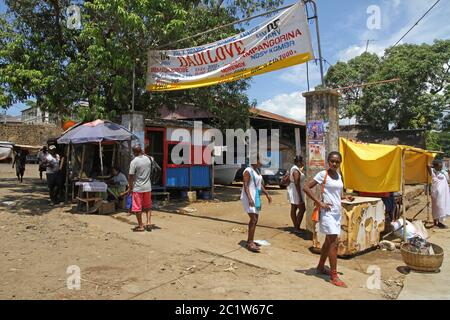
(417,22)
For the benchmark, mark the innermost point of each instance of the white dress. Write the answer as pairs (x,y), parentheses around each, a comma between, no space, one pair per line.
(330,220)
(251,189)
(440,195)
(292,193)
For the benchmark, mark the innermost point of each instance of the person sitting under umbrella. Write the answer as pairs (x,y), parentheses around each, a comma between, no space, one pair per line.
(118,183)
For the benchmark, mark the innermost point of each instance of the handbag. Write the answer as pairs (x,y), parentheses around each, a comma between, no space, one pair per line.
(257,194)
(285,180)
(316,212)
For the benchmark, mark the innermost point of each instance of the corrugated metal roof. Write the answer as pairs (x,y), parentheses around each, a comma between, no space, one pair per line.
(276,117)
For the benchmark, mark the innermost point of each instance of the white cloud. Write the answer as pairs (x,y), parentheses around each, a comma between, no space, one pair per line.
(434,26)
(355,50)
(296,75)
(290,105)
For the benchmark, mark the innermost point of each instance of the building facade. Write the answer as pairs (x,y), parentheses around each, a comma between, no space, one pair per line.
(34,115)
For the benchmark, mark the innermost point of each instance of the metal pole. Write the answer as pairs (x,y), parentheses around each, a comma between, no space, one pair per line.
(307,74)
(134,80)
(101,157)
(316,18)
(66,196)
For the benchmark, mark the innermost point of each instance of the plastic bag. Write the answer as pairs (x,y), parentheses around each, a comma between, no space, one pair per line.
(410,229)
(129,202)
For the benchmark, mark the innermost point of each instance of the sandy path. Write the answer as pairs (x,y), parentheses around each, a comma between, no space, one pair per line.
(195,255)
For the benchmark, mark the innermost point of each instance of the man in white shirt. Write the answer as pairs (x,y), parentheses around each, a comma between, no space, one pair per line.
(139,186)
(52,171)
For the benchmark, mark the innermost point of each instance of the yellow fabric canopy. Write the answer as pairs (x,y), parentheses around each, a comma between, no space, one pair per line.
(372,167)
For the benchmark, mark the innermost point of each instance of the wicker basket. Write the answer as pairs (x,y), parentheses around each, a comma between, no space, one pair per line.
(423,262)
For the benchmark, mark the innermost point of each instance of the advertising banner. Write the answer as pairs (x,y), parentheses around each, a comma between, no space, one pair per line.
(280,42)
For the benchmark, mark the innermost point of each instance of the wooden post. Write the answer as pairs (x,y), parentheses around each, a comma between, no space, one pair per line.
(66,195)
(427,193)
(403,196)
(113,155)
(212,180)
(101,156)
(298,145)
(82,161)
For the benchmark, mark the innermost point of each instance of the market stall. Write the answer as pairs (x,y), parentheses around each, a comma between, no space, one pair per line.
(6,150)
(376,168)
(93,149)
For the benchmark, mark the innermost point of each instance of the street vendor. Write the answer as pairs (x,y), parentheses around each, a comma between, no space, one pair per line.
(118,183)
(440,194)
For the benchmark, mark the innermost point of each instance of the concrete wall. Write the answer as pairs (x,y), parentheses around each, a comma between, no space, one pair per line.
(414,138)
(30,134)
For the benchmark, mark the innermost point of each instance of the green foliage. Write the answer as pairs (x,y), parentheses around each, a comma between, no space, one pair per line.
(417,100)
(41,58)
(439,141)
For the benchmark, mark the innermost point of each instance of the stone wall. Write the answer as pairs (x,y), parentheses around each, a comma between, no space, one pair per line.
(29,134)
(414,138)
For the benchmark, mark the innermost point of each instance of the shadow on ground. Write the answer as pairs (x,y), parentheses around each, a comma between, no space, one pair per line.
(26,198)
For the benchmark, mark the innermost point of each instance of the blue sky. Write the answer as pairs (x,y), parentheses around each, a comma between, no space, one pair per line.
(344,31)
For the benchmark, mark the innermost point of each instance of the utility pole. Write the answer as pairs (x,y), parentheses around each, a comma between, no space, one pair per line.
(368,42)
(316,18)
(134,81)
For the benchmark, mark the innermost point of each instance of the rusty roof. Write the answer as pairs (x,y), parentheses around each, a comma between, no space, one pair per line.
(275,117)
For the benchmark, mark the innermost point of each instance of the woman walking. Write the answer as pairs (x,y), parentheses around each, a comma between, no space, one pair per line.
(250,197)
(295,193)
(330,213)
(440,194)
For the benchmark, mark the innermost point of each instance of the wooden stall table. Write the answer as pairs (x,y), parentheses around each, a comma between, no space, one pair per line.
(88,193)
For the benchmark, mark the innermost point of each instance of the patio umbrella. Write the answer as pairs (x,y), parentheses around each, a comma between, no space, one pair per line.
(96,131)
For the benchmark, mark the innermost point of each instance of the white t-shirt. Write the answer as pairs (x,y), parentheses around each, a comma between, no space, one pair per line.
(52,163)
(140,167)
(332,191)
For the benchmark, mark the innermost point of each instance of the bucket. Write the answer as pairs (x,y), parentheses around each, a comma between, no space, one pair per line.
(205,195)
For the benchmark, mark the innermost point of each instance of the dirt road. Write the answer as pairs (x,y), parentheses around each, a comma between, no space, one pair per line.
(195,253)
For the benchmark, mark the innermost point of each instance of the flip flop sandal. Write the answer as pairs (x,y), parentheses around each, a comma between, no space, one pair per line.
(253,249)
(148,228)
(338,282)
(137,229)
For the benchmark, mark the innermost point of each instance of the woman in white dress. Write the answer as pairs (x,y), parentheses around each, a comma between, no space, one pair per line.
(330,213)
(295,193)
(440,194)
(253,185)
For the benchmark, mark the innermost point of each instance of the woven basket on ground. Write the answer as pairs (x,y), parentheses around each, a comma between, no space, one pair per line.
(423,262)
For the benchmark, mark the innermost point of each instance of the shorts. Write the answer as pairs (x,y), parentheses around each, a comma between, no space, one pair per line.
(141,201)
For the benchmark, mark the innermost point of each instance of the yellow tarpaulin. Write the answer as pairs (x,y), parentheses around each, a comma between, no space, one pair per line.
(372,167)
(416,161)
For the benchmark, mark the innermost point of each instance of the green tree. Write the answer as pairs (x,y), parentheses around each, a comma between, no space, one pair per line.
(63,66)
(417,100)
